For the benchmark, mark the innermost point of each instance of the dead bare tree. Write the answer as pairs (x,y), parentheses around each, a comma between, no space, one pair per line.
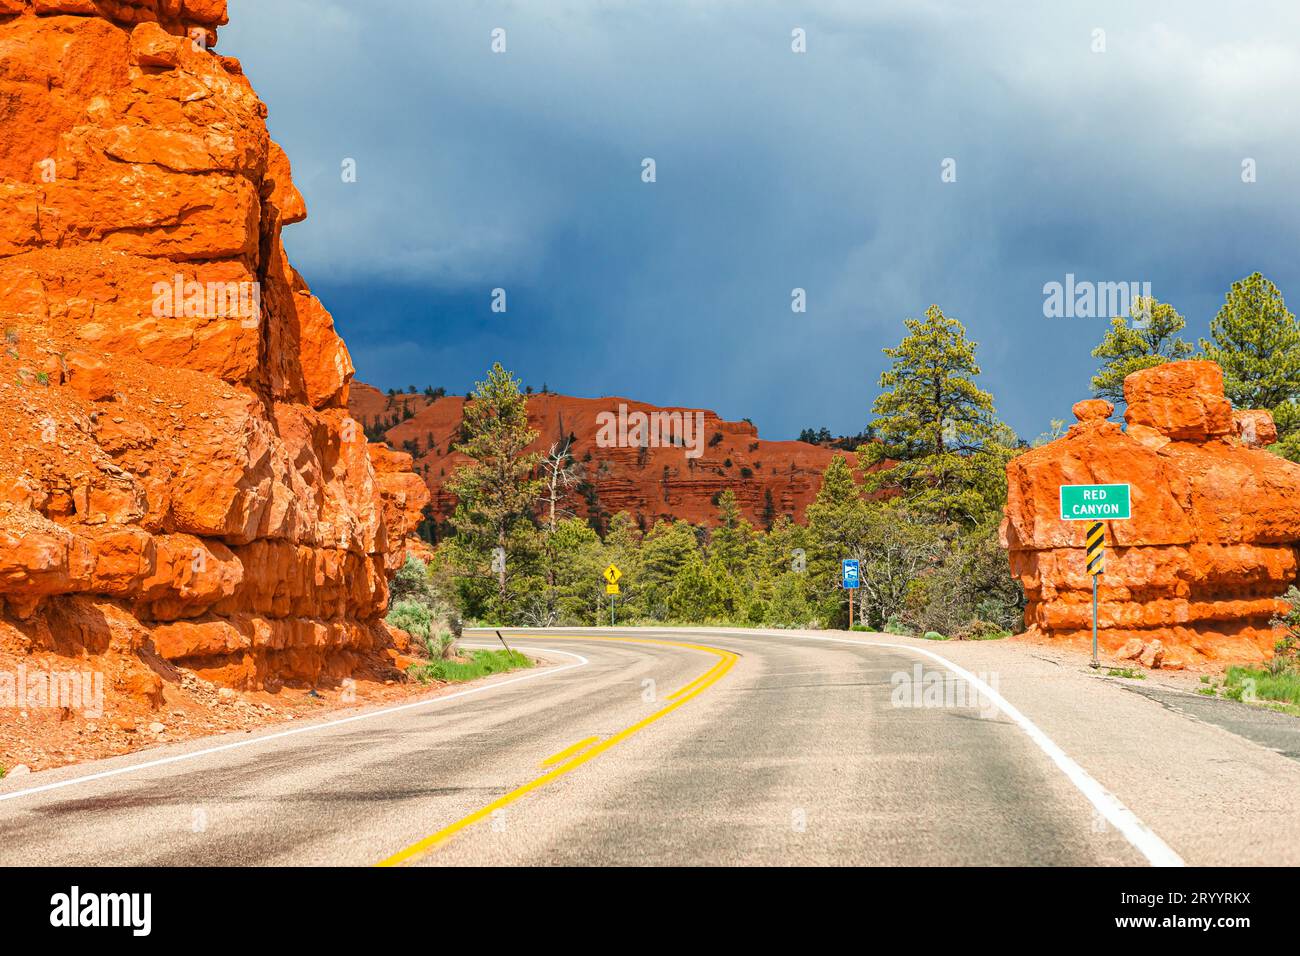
(561,473)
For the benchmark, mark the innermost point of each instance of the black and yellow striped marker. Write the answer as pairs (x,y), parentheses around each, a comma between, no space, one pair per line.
(1096,548)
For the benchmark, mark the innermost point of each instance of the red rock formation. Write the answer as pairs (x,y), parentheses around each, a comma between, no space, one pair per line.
(1212,541)
(654,483)
(180,479)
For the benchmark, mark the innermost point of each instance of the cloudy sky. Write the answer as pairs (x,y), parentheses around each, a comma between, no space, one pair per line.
(1101,139)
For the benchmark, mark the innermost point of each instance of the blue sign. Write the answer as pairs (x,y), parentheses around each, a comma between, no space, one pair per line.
(849,571)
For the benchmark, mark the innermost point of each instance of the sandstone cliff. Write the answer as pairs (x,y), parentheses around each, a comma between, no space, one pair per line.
(1197,573)
(769,478)
(180,480)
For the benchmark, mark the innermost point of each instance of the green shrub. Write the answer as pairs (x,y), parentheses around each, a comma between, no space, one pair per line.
(895,625)
(412,617)
(440,647)
(979,630)
(1286,652)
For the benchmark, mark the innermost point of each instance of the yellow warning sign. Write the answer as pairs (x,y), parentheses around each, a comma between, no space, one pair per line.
(612,574)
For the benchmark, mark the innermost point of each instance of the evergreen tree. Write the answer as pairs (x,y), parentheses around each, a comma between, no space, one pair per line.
(938,425)
(779,569)
(577,593)
(668,547)
(1255,339)
(1152,339)
(836,530)
(731,542)
(623,548)
(701,592)
(788,605)
(496,492)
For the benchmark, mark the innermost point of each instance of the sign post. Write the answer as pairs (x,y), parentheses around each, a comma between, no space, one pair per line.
(611,575)
(1096,503)
(1096,565)
(850,578)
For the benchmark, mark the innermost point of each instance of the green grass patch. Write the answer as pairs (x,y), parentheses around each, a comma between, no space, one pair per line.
(1128,672)
(478,664)
(1279,691)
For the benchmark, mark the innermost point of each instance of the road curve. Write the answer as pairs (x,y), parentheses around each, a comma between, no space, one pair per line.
(646,747)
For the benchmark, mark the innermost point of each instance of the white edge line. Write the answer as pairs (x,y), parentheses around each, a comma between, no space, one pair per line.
(1142,837)
(234,745)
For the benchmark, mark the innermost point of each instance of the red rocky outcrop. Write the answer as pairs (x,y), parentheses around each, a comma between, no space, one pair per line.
(652,483)
(180,479)
(1197,573)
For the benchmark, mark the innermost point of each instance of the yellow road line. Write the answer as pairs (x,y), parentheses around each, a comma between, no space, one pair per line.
(699,680)
(568,751)
(651,640)
(726,660)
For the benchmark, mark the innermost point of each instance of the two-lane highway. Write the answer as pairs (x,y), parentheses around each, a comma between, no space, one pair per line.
(628,747)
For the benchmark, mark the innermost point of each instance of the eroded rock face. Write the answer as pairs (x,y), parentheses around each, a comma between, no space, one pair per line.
(1212,542)
(769,478)
(180,479)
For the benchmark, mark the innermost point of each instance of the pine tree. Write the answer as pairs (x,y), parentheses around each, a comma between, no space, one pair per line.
(701,592)
(836,530)
(576,592)
(668,548)
(622,547)
(1256,341)
(938,424)
(496,493)
(1152,339)
(732,540)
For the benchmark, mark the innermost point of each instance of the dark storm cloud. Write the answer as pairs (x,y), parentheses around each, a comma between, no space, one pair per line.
(775,170)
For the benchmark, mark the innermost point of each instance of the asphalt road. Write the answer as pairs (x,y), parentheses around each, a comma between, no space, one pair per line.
(679,747)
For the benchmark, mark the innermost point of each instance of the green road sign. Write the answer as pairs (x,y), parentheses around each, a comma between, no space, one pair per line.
(1095,503)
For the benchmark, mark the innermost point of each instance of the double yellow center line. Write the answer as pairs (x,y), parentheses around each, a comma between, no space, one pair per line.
(573,757)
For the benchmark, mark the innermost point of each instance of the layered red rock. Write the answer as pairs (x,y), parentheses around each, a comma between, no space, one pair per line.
(659,481)
(1212,543)
(180,478)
